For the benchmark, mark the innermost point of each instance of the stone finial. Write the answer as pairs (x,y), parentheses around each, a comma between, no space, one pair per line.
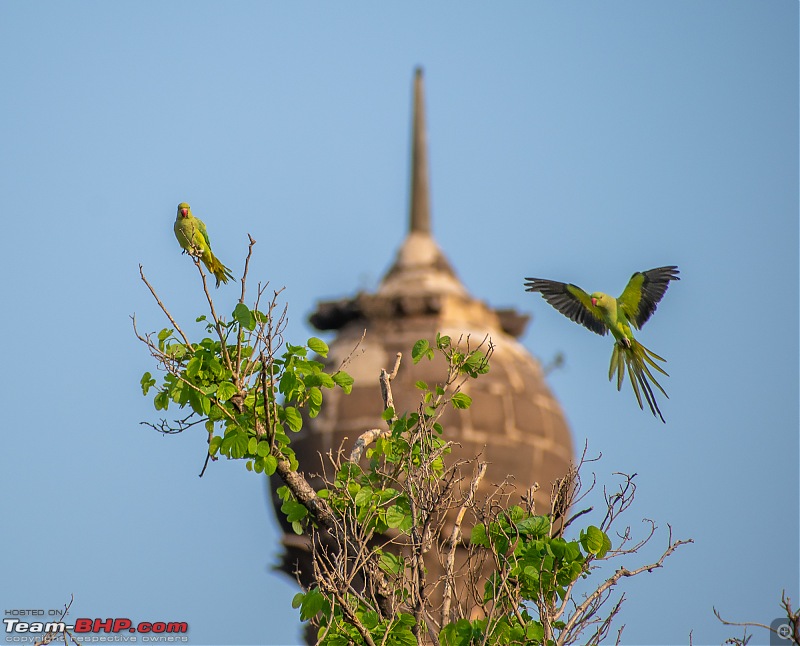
(420,265)
(419,206)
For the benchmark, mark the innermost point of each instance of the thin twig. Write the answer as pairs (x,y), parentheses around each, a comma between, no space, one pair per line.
(217,321)
(366,438)
(247,266)
(237,376)
(611,581)
(163,309)
(386,388)
(52,635)
(746,624)
(453,542)
(352,352)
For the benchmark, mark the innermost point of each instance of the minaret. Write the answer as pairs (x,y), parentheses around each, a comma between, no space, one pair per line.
(515,423)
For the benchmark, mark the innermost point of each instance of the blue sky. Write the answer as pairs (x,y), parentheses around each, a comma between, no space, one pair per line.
(574,141)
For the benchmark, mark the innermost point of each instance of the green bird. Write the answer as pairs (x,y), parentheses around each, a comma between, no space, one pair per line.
(602,313)
(192,236)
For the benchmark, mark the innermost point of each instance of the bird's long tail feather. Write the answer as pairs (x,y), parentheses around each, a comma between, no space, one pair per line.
(636,358)
(220,271)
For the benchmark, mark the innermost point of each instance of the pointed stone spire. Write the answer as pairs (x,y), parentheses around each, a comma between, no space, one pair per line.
(420,266)
(420,281)
(419,203)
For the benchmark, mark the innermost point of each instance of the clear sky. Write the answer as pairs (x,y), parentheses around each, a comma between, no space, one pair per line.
(575,141)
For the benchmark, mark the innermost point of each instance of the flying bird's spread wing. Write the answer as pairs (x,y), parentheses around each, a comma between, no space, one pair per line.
(571,301)
(644,290)
(602,313)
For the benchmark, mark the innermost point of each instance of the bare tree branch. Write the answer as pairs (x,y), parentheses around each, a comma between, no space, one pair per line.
(792,618)
(454,540)
(366,438)
(163,309)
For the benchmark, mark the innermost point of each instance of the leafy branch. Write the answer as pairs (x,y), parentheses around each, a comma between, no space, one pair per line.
(408,546)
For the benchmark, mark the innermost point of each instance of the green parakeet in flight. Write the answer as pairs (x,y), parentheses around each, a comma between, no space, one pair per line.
(602,313)
(192,236)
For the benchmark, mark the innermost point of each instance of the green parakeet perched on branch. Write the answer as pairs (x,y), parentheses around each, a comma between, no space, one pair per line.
(192,236)
(602,313)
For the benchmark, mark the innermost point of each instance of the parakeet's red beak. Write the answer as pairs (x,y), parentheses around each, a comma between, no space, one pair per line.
(184,212)
(594,302)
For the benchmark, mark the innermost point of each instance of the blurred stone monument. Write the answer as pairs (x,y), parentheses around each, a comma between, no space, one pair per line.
(514,423)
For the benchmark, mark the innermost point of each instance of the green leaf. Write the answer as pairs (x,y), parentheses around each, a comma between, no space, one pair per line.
(402,637)
(161,400)
(176,350)
(270,464)
(461,400)
(225,390)
(458,633)
(391,564)
(310,603)
(325,380)
(200,403)
(479,536)
(396,516)
(314,401)
(147,382)
(234,444)
(606,546)
(298,599)
(595,541)
(536,526)
(293,418)
(387,414)
(318,345)
(193,367)
(344,381)
(244,317)
(476,364)
(363,496)
(399,426)
(534,632)
(294,511)
(297,350)
(419,350)
(573,552)
(214,444)
(288,383)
